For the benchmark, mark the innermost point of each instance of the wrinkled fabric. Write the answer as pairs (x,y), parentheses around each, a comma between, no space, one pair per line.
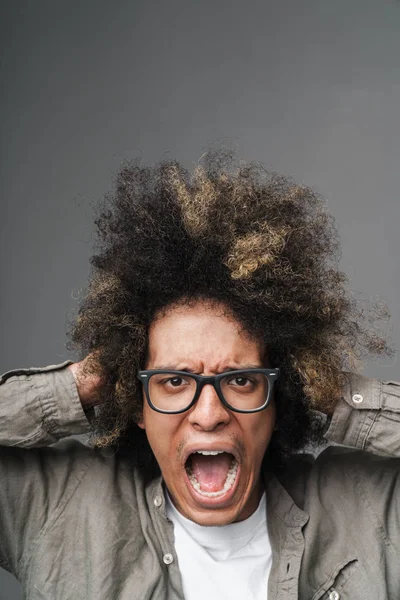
(78,523)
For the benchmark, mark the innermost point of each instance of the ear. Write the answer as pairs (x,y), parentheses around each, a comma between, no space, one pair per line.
(140,421)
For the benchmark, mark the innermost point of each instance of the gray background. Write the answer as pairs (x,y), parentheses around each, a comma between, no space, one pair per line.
(309,87)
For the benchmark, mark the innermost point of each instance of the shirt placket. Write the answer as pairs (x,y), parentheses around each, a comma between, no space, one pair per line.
(165,533)
(287,585)
(285,529)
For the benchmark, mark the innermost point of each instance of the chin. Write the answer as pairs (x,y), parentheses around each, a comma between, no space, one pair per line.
(212,517)
(214,512)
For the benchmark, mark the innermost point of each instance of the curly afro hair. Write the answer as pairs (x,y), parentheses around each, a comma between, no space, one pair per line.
(233,233)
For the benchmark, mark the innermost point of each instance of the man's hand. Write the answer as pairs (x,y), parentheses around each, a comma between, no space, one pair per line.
(87,383)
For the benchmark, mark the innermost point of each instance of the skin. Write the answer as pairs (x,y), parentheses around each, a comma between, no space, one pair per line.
(204,340)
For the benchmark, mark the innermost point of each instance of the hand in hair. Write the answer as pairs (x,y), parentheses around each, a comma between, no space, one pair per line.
(88,383)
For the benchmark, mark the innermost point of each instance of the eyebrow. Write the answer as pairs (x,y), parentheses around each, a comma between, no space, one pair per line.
(188,370)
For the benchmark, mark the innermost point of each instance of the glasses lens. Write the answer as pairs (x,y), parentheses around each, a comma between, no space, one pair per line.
(171,392)
(245,391)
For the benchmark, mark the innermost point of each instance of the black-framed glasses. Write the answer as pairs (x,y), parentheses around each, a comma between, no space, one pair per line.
(174,392)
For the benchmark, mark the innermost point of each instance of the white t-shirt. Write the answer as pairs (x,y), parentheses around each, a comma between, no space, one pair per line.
(223,563)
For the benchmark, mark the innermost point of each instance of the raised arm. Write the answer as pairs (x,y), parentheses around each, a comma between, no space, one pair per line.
(367,417)
(40,406)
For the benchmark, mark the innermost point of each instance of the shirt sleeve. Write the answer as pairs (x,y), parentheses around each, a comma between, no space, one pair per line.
(368,416)
(39,406)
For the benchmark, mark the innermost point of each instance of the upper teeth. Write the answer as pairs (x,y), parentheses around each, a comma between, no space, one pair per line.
(207,452)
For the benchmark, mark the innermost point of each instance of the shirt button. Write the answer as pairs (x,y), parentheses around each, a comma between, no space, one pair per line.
(157,501)
(168,558)
(357,399)
(334,595)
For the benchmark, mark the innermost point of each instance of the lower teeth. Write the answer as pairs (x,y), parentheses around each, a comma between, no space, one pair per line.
(230,480)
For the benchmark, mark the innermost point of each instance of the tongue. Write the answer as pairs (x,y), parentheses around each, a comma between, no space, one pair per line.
(211,471)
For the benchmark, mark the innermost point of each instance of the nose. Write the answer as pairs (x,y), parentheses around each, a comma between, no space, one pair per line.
(208,413)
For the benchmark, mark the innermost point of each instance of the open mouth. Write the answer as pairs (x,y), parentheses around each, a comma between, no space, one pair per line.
(211,473)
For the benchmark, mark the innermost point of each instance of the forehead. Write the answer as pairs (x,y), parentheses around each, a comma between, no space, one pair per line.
(201,332)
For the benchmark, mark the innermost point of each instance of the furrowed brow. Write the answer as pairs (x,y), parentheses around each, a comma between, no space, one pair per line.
(226,369)
(172,368)
(242,367)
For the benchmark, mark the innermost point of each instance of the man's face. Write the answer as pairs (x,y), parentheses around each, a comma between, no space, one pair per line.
(201,340)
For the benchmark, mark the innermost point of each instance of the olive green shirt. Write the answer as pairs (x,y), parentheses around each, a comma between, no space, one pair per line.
(80,524)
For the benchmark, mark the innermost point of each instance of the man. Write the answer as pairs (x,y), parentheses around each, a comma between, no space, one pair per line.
(215,332)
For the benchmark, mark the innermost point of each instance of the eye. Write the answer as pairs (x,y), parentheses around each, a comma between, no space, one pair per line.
(240,381)
(176,381)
